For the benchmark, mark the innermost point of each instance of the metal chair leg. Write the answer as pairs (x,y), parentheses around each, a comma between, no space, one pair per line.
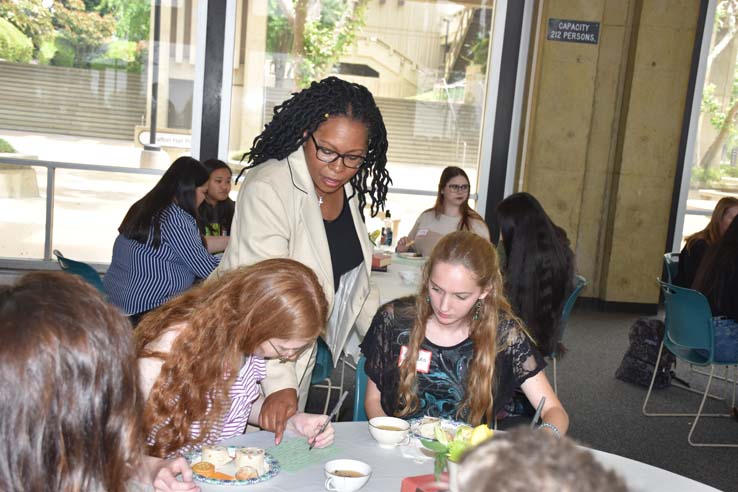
(650,389)
(699,414)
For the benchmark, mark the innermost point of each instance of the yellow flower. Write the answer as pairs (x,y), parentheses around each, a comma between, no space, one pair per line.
(480,434)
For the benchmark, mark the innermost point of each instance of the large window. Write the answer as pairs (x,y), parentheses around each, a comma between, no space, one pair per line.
(114,84)
(77,87)
(425,63)
(714,161)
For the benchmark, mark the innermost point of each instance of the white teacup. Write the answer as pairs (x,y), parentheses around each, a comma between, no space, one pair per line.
(389,431)
(346,475)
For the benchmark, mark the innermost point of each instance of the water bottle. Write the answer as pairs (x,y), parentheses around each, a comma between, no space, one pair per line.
(387,229)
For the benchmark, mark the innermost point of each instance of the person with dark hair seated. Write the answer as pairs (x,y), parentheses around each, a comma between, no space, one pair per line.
(450,213)
(311,172)
(71,408)
(216,211)
(159,252)
(717,279)
(538,267)
(697,244)
(550,464)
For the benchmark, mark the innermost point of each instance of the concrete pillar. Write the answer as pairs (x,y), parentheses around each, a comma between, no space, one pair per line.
(604,132)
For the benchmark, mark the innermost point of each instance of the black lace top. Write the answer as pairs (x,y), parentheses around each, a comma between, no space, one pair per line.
(442,389)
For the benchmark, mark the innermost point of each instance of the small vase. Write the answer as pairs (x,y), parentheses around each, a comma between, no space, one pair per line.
(453,474)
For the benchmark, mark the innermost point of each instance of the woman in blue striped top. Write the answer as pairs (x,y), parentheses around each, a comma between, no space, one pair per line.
(159,252)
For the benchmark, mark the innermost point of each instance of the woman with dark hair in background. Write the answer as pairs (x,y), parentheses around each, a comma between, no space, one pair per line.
(216,211)
(717,279)
(698,243)
(71,409)
(159,252)
(538,268)
(450,213)
(313,166)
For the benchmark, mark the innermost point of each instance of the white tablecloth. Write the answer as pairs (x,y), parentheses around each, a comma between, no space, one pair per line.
(390,283)
(389,466)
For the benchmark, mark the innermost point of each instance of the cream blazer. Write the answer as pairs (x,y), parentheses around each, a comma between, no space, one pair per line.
(278,216)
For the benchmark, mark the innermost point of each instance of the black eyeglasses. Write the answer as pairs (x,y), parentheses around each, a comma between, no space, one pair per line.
(458,188)
(294,353)
(328,156)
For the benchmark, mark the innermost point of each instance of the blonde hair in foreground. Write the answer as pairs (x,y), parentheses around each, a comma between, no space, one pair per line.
(222,320)
(477,255)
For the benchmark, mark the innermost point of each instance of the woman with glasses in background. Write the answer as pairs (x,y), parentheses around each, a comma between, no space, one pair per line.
(312,171)
(450,213)
(202,356)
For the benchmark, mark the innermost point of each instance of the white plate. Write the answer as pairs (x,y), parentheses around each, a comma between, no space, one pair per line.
(273,469)
(447,425)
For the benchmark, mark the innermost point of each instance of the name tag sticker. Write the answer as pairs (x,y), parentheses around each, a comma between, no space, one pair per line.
(423,362)
(421,233)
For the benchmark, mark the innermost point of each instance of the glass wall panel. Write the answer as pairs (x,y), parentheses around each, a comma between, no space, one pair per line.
(425,63)
(714,165)
(77,87)
(22,211)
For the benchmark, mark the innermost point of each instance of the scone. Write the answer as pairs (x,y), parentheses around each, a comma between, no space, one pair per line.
(253,457)
(217,455)
(246,473)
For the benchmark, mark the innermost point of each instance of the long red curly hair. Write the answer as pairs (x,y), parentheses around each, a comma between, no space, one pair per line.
(222,320)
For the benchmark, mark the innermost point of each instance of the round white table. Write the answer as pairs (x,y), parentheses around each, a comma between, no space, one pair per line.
(391,285)
(390,466)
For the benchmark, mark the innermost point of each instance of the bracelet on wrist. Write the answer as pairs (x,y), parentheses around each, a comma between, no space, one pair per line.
(552,427)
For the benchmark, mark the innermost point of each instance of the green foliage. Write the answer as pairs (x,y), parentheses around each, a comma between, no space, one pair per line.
(728,170)
(85,31)
(705,176)
(46,52)
(326,40)
(119,55)
(31,17)
(5,147)
(63,53)
(132,18)
(14,45)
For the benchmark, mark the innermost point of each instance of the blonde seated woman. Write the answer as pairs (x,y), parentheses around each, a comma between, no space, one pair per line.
(455,350)
(202,355)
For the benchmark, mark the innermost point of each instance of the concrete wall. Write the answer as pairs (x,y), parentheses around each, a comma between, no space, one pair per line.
(603,138)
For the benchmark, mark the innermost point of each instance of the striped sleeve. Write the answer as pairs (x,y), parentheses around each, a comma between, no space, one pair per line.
(180,230)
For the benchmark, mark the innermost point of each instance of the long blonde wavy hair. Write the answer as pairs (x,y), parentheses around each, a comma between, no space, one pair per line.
(477,255)
(223,319)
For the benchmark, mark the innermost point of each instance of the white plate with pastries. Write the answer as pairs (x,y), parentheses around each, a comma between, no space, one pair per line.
(232,465)
(425,427)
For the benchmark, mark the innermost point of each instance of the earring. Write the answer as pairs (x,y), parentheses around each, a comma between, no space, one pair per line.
(477,309)
(427,299)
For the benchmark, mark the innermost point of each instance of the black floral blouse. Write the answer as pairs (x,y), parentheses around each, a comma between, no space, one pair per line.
(441,390)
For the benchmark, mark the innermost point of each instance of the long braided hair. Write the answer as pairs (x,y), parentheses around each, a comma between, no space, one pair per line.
(300,115)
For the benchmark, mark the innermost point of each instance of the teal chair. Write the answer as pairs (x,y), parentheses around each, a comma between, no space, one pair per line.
(360,392)
(80,268)
(671,266)
(579,286)
(689,335)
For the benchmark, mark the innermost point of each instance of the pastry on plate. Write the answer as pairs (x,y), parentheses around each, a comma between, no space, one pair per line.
(217,455)
(203,468)
(253,457)
(247,473)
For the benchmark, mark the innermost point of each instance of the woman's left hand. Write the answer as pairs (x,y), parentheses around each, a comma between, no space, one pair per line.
(165,473)
(308,424)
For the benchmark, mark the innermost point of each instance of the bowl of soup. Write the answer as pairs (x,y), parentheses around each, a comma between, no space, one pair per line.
(389,431)
(346,475)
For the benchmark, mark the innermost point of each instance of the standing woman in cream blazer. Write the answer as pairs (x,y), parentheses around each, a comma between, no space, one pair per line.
(314,164)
